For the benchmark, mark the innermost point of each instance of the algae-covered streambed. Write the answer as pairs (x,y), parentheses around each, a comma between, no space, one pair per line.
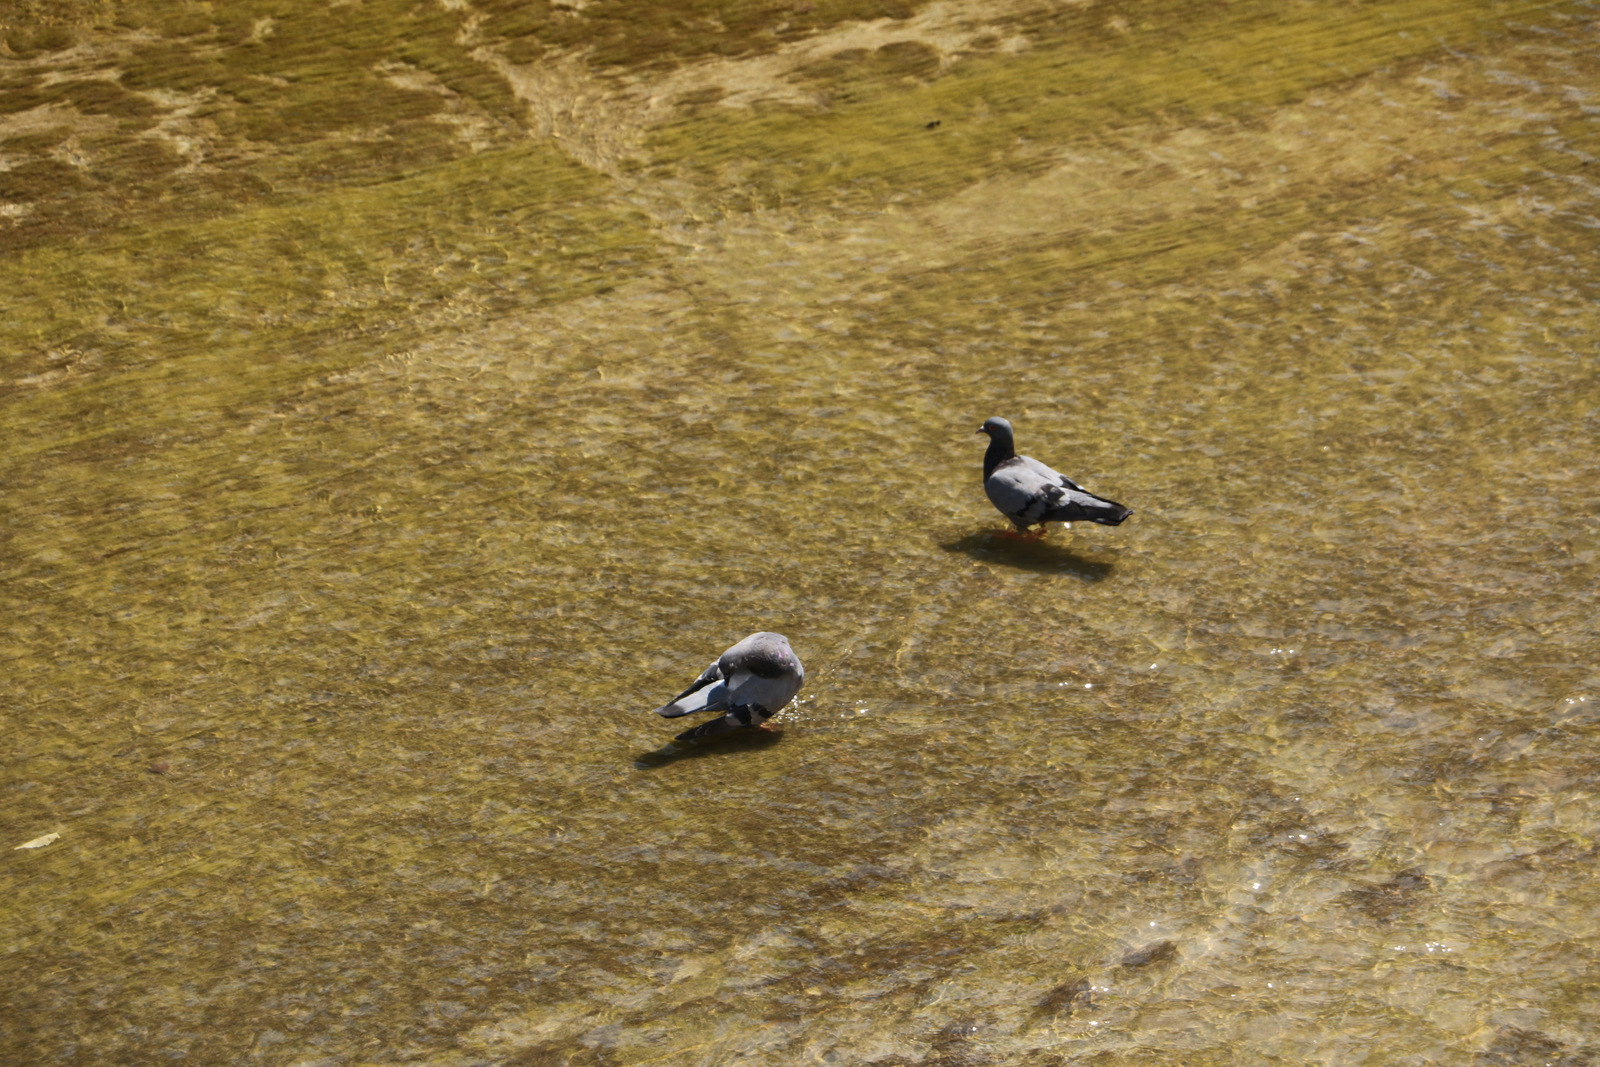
(399,399)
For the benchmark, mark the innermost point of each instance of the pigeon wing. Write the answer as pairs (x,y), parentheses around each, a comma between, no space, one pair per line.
(1049,474)
(1020,491)
(1066,501)
(762,673)
(706,694)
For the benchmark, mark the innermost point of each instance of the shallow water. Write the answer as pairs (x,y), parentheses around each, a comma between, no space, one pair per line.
(401,400)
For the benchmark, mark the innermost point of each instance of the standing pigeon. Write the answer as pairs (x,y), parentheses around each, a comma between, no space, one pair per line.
(1028,492)
(752,681)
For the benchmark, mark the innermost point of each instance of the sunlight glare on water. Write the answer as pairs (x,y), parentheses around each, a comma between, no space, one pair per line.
(401,400)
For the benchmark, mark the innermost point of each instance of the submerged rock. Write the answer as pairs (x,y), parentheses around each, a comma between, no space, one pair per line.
(1155,952)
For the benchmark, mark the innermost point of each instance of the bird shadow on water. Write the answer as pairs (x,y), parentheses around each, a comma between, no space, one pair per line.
(992,546)
(727,744)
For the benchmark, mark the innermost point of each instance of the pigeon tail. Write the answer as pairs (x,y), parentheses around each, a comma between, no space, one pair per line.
(711,698)
(1095,509)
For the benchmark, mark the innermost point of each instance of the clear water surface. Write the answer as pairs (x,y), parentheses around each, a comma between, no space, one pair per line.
(400,399)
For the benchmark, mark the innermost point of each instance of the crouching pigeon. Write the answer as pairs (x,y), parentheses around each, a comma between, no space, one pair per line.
(1028,492)
(752,681)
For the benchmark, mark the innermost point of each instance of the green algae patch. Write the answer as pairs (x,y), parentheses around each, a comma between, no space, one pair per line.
(321,58)
(249,94)
(1079,82)
(30,38)
(857,74)
(620,34)
(199,310)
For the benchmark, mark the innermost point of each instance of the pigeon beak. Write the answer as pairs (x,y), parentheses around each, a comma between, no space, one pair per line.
(980,429)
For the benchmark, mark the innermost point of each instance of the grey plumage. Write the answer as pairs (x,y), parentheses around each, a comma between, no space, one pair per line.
(751,682)
(1027,492)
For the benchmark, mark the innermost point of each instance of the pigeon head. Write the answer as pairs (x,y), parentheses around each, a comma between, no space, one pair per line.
(997,428)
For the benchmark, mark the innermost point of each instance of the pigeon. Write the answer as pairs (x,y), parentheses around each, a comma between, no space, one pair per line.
(1028,492)
(752,682)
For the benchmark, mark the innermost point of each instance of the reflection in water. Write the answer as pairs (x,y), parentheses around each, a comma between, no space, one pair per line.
(391,392)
